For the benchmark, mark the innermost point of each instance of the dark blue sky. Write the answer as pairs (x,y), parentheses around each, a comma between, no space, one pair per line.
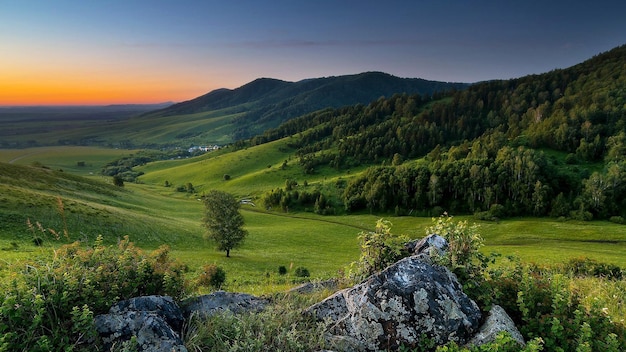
(154,50)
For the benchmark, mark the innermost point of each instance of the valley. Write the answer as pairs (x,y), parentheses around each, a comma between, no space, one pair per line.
(538,162)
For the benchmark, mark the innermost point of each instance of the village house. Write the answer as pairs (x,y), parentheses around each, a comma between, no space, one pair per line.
(204,148)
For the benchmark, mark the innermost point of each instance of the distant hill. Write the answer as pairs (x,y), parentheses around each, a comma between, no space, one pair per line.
(546,144)
(265,103)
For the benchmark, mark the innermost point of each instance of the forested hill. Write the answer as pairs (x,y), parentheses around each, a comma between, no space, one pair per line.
(549,144)
(266,102)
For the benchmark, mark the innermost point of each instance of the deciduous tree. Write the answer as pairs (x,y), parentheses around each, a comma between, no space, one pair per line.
(223,221)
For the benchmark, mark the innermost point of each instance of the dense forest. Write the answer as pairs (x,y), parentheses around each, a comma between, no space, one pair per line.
(265,103)
(551,144)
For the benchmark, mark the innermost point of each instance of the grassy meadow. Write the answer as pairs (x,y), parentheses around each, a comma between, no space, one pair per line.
(65,157)
(152,215)
(111,126)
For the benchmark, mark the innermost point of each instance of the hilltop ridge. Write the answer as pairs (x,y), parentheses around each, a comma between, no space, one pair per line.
(266,102)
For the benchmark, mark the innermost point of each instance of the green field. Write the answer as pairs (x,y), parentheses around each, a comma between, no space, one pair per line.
(152,215)
(65,158)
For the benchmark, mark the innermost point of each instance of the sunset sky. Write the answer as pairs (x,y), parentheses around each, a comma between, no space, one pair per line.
(61,52)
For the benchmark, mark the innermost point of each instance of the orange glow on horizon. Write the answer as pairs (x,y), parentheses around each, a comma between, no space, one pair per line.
(57,93)
(62,88)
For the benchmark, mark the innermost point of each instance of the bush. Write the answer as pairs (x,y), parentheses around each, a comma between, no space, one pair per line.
(49,305)
(282,270)
(463,256)
(379,249)
(544,306)
(226,177)
(502,343)
(302,272)
(590,267)
(617,220)
(571,159)
(212,276)
(118,180)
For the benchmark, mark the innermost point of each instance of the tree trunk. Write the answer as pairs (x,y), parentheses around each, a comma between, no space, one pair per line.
(227,253)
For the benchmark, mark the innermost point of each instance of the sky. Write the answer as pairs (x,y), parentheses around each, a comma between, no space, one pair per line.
(77,52)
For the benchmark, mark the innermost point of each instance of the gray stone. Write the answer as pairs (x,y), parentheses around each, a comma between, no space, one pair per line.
(148,318)
(163,306)
(426,244)
(401,305)
(207,305)
(497,321)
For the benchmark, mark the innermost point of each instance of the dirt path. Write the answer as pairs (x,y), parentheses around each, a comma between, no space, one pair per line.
(24,156)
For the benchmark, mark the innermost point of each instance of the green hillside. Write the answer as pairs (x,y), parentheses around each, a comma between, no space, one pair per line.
(483,153)
(79,208)
(551,144)
(265,103)
(219,117)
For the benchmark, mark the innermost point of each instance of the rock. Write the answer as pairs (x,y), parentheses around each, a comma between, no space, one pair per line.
(497,321)
(422,246)
(163,306)
(148,318)
(207,305)
(406,302)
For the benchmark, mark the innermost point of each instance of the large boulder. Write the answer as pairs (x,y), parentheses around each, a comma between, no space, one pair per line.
(208,305)
(154,321)
(409,301)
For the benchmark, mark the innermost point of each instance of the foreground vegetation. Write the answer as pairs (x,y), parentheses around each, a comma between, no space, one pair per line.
(49,302)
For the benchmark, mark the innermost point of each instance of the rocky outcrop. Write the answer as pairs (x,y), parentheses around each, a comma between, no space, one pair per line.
(497,321)
(154,321)
(407,302)
(207,305)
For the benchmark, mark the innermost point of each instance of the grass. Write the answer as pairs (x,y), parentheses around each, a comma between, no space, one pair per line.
(252,170)
(65,158)
(116,128)
(152,214)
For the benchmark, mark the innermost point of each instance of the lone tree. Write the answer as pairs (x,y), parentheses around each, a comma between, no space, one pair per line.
(223,221)
(118,180)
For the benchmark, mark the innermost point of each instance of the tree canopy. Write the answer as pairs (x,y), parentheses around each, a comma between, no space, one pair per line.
(223,221)
(549,144)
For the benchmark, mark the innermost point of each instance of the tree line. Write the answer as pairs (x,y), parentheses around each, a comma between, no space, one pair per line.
(550,144)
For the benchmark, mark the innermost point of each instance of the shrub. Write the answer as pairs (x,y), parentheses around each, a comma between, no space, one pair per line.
(463,256)
(282,270)
(502,343)
(544,306)
(617,220)
(551,311)
(379,248)
(302,272)
(212,276)
(571,159)
(590,267)
(49,305)
(118,180)
(226,177)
